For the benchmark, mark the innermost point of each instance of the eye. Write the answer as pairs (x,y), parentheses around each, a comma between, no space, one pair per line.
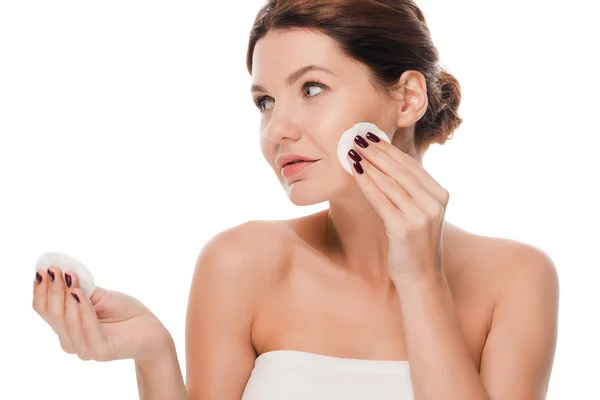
(312,89)
(309,89)
(263,103)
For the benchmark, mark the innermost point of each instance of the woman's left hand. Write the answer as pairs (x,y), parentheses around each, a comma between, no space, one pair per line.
(410,202)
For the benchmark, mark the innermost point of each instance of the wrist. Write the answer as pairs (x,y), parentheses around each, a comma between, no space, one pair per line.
(411,278)
(163,351)
(159,375)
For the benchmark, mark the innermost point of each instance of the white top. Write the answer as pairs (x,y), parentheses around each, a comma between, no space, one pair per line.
(296,375)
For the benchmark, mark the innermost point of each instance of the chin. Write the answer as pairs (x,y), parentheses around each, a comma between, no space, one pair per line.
(308,192)
(305,192)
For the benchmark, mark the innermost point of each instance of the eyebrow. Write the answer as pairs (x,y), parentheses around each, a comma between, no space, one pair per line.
(294,76)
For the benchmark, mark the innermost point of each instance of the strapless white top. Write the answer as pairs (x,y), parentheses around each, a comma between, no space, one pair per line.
(296,375)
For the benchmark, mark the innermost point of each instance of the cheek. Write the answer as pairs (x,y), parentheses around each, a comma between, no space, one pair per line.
(348,107)
(266,146)
(327,120)
(263,142)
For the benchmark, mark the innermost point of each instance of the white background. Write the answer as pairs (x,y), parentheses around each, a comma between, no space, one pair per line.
(119,121)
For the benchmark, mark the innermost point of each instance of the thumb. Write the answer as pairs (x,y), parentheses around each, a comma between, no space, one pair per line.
(98,294)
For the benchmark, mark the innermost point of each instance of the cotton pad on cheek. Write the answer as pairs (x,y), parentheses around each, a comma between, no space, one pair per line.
(347,141)
(66,263)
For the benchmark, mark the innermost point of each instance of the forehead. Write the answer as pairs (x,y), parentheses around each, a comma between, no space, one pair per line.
(280,52)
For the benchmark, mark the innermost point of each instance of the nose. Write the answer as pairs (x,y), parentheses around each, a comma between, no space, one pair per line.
(282,126)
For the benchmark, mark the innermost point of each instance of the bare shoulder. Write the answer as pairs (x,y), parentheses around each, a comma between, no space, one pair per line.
(516,260)
(509,264)
(249,253)
(517,357)
(233,271)
(243,240)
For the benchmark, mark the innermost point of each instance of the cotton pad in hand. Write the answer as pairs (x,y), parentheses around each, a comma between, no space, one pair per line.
(347,141)
(67,263)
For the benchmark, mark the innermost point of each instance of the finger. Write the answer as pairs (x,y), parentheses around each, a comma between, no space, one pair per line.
(97,295)
(390,159)
(56,295)
(73,319)
(55,309)
(40,293)
(377,156)
(391,189)
(374,195)
(95,338)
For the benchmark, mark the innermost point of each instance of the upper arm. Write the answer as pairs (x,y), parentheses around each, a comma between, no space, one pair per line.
(219,351)
(519,352)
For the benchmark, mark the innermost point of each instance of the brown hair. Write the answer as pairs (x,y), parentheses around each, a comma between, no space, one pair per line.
(388,36)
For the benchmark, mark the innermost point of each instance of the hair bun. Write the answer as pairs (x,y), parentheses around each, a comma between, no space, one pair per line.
(441,119)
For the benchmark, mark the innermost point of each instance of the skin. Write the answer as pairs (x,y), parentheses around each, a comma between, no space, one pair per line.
(483,326)
(311,288)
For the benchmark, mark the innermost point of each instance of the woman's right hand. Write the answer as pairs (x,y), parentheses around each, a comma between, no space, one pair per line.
(108,326)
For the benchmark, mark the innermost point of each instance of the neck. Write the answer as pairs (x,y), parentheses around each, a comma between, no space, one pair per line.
(356,236)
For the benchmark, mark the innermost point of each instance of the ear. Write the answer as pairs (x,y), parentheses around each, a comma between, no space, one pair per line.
(411,94)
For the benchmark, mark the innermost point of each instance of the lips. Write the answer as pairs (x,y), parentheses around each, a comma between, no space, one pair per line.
(291,158)
(294,168)
(295,162)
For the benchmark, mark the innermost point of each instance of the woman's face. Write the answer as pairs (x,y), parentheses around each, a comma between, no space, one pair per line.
(309,94)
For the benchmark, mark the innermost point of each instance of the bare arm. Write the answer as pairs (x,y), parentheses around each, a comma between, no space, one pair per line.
(219,351)
(440,364)
(519,351)
(518,354)
(161,378)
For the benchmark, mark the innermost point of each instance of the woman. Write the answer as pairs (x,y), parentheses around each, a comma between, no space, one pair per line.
(376,297)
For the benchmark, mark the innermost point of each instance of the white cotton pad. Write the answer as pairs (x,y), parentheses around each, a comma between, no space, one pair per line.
(347,141)
(66,263)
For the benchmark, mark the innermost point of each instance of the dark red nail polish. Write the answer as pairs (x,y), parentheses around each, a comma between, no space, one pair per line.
(358,168)
(354,155)
(51,275)
(361,142)
(373,138)
(75,296)
(68,280)
(38,277)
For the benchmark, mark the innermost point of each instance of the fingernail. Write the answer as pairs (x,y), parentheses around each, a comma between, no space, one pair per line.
(373,138)
(354,155)
(38,277)
(51,275)
(358,168)
(75,296)
(68,280)
(361,142)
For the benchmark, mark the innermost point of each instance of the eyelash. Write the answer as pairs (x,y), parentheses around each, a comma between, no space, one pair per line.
(258,100)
